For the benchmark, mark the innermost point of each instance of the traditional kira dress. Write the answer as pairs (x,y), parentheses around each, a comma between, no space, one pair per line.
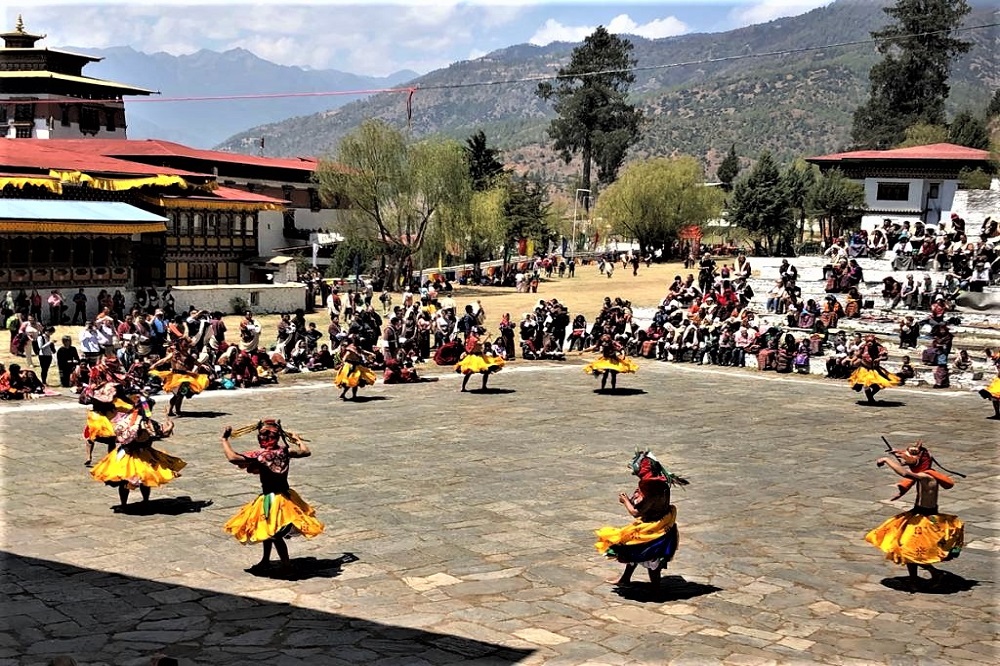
(476,360)
(278,511)
(134,462)
(611,360)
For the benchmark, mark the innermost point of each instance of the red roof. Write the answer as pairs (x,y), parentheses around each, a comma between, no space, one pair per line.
(934,151)
(46,154)
(157,147)
(233,194)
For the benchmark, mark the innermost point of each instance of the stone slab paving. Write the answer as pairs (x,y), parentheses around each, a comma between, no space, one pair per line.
(468,522)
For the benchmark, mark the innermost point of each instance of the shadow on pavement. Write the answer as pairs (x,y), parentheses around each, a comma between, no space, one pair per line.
(672,588)
(620,391)
(489,390)
(305,568)
(207,414)
(116,619)
(367,398)
(164,506)
(881,403)
(950,583)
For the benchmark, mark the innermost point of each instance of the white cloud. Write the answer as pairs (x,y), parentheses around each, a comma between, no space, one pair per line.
(768,10)
(554,31)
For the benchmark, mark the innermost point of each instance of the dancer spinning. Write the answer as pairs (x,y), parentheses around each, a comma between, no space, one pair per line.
(183,378)
(106,392)
(134,463)
(476,360)
(920,537)
(992,391)
(611,361)
(354,372)
(651,539)
(869,375)
(278,511)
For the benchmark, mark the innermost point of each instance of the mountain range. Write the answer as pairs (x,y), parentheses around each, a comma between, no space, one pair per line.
(204,124)
(794,104)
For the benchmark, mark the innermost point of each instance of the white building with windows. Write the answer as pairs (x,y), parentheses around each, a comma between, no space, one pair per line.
(908,184)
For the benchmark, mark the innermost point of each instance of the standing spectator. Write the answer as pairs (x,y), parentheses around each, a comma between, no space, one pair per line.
(67,359)
(56,308)
(90,343)
(80,307)
(31,329)
(45,351)
(35,305)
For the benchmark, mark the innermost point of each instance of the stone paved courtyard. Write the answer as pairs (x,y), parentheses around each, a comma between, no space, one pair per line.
(459,529)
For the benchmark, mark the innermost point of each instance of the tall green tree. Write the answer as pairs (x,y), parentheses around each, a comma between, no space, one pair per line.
(485,167)
(728,169)
(760,205)
(836,201)
(527,214)
(798,179)
(910,84)
(655,198)
(396,190)
(969,130)
(993,109)
(590,97)
(923,134)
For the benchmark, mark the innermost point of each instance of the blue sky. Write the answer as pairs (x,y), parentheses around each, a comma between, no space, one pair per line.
(373,38)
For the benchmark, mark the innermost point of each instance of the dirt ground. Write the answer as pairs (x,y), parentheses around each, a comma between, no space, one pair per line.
(583,293)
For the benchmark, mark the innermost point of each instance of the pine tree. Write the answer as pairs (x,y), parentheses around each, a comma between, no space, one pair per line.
(485,166)
(993,110)
(760,205)
(910,84)
(968,130)
(728,169)
(594,116)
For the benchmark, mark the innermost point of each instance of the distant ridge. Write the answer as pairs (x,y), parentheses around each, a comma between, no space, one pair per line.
(210,73)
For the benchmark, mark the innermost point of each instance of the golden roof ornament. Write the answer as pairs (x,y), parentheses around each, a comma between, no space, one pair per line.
(19,27)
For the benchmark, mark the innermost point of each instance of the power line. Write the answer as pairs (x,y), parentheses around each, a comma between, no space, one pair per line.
(412,89)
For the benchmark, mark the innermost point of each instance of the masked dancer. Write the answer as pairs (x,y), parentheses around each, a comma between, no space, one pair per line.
(278,512)
(869,375)
(611,361)
(477,360)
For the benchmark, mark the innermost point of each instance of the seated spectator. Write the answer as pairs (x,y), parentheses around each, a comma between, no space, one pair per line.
(891,291)
(854,303)
(909,293)
(906,371)
(801,361)
(963,363)
(908,333)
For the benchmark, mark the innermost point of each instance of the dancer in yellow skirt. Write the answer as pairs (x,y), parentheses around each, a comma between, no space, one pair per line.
(354,372)
(920,537)
(476,360)
(869,375)
(612,361)
(992,391)
(278,511)
(134,463)
(651,539)
(106,394)
(183,378)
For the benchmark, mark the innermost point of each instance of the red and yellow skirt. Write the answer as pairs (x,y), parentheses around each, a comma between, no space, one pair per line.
(99,424)
(143,467)
(270,514)
(867,377)
(652,544)
(354,376)
(479,364)
(994,388)
(912,537)
(603,364)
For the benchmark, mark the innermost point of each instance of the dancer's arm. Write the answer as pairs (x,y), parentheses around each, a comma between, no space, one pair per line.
(231,455)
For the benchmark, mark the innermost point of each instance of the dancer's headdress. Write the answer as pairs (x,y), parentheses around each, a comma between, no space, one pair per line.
(270,434)
(652,473)
(919,459)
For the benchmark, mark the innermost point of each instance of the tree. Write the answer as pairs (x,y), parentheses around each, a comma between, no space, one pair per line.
(923,134)
(526,214)
(798,179)
(594,117)
(485,167)
(968,130)
(396,190)
(836,200)
(993,109)
(910,84)
(655,198)
(760,205)
(728,169)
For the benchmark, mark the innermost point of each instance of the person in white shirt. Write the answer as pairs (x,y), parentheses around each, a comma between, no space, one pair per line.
(980,276)
(89,342)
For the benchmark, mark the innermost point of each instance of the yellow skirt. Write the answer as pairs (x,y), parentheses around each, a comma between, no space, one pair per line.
(602,364)
(994,388)
(354,376)
(174,380)
(482,364)
(867,378)
(267,515)
(912,538)
(99,423)
(635,533)
(145,467)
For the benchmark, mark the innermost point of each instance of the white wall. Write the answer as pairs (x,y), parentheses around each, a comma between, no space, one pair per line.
(914,202)
(261,298)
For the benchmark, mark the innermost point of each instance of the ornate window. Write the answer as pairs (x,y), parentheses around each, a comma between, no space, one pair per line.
(893,191)
(90,120)
(197,225)
(24,113)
